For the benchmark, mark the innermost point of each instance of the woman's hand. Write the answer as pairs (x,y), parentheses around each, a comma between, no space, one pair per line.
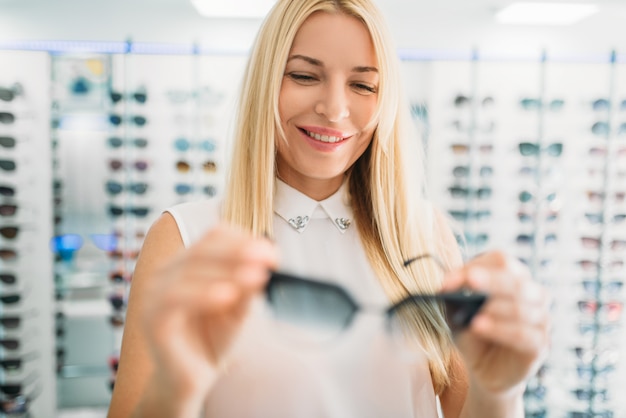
(194,306)
(508,339)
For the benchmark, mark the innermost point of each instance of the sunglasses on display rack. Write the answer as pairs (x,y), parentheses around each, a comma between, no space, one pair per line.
(478,239)
(15,364)
(463,192)
(594,242)
(594,287)
(185,167)
(599,197)
(8,165)
(117,120)
(462,171)
(114,187)
(7,118)
(461,101)
(17,388)
(601,151)
(8,278)
(525,217)
(117,301)
(120,276)
(464,149)
(8,94)
(588,394)
(610,311)
(531,103)
(526,196)
(138,211)
(140,96)
(116,165)
(7,142)
(14,321)
(464,215)
(532,149)
(117,142)
(528,239)
(593,265)
(183,144)
(7,191)
(65,246)
(329,309)
(9,232)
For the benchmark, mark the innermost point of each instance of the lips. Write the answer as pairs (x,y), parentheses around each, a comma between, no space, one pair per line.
(325,135)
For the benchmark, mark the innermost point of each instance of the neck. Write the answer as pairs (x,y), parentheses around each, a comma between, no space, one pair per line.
(316,189)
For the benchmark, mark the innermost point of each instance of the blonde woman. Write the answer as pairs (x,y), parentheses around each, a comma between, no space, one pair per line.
(323,184)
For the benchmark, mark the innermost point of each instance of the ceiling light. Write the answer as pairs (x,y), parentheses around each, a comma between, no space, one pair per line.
(524,13)
(247,9)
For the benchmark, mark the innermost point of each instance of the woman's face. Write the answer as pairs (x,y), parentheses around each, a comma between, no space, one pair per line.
(327,99)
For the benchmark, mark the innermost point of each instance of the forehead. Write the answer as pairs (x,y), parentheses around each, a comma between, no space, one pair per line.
(333,36)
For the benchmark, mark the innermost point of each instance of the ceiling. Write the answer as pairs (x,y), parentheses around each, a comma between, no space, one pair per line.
(416,24)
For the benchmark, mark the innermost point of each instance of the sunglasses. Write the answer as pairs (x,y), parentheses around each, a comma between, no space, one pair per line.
(8,278)
(114,188)
(526,196)
(119,276)
(13,321)
(9,232)
(601,104)
(590,265)
(116,164)
(105,242)
(530,149)
(117,120)
(117,320)
(140,96)
(598,197)
(531,103)
(127,254)
(462,192)
(464,215)
(462,101)
(65,246)
(591,394)
(601,151)
(17,388)
(478,239)
(611,310)
(7,94)
(7,118)
(525,217)
(598,218)
(14,364)
(530,239)
(138,211)
(183,144)
(463,171)
(7,142)
(7,191)
(117,142)
(592,242)
(594,287)
(463,149)
(8,165)
(330,309)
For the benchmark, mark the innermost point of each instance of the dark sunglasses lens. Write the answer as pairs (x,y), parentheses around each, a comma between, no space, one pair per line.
(8,254)
(139,120)
(526,149)
(9,232)
(8,278)
(7,118)
(7,191)
(7,141)
(8,165)
(10,322)
(140,97)
(318,310)
(115,142)
(10,344)
(113,187)
(10,299)
(140,142)
(8,210)
(115,120)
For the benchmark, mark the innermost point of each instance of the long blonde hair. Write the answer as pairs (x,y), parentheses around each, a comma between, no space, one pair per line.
(386,183)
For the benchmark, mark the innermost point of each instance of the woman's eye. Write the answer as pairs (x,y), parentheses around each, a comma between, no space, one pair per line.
(365,87)
(301,77)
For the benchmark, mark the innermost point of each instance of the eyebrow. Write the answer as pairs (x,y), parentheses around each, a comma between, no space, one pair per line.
(318,63)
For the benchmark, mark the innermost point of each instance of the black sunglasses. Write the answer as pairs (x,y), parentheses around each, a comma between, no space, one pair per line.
(137,120)
(7,142)
(114,187)
(117,142)
(8,165)
(8,278)
(7,94)
(7,118)
(139,96)
(326,306)
(13,364)
(138,211)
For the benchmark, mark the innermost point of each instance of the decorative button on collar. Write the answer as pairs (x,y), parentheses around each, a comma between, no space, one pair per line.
(342,223)
(299,222)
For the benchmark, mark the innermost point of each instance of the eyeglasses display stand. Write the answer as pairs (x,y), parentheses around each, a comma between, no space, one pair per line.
(27,378)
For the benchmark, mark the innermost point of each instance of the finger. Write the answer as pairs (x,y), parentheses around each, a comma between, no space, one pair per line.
(512,310)
(228,245)
(511,334)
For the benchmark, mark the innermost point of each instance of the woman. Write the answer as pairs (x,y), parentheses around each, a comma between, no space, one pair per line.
(321,168)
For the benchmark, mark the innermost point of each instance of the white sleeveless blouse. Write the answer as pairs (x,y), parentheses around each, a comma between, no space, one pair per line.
(359,374)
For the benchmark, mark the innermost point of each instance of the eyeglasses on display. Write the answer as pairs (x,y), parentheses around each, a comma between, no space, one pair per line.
(464,215)
(14,364)
(463,101)
(114,187)
(7,191)
(117,120)
(8,165)
(461,192)
(611,310)
(529,149)
(8,278)
(526,196)
(9,232)
(330,309)
(7,94)
(7,142)
(65,246)
(598,218)
(117,142)
(116,164)
(525,217)
(13,321)
(531,103)
(183,144)
(464,149)
(461,171)
(17,388)
(138,211)
(7,118)
(140,96)
(595,286)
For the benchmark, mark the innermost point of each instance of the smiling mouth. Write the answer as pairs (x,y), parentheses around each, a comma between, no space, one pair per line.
(323,138)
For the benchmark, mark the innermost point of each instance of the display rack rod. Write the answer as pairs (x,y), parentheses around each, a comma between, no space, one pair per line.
(405,54)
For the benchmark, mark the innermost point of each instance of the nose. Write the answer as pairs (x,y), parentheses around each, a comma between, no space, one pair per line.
(333,103)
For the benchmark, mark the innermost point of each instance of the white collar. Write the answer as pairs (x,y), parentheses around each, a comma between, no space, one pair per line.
(297,209)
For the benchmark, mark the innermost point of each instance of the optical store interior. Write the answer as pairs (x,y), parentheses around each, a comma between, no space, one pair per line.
(112,111)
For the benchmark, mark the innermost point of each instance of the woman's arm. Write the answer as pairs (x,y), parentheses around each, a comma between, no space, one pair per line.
(184,310)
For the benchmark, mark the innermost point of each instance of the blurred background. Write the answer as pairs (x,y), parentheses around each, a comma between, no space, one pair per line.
(112,111)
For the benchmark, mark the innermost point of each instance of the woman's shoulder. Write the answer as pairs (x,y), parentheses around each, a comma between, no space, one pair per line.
(196,217)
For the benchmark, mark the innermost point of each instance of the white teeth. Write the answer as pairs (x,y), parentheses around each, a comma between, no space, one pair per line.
(324,138)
